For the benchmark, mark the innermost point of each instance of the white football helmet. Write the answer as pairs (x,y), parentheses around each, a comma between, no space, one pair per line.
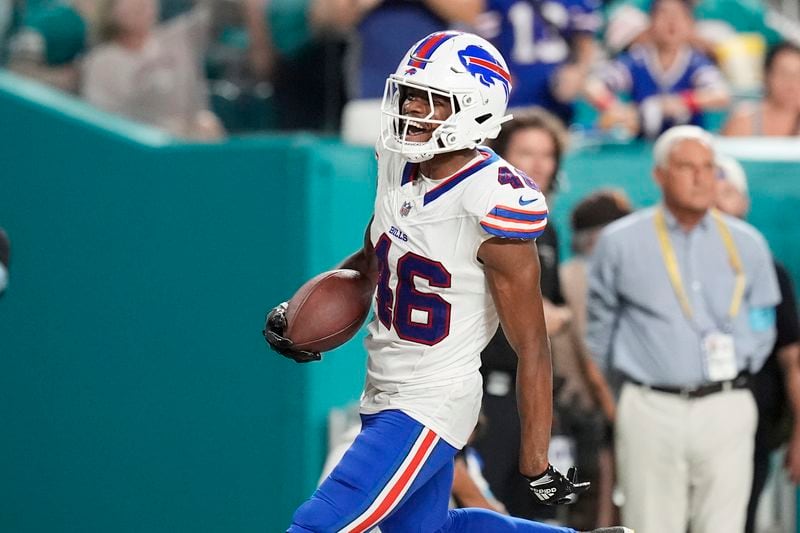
(465,69)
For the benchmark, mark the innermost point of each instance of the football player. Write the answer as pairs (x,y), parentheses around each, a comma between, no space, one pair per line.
(451,249)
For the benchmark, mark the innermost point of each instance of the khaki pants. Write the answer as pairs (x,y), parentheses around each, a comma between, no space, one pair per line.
(685,461)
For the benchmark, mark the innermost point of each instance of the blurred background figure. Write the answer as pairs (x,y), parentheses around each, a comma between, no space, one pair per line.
(776,386)
(240,63)
(6,18)
(470,488)
(5,254)
(735,32)
(308,77)
(51,40)
(587,219)
(668,81)
(379,33)
(534,142)
(549,46)
(681,303)
(591,396)
(778,112)
(152,73)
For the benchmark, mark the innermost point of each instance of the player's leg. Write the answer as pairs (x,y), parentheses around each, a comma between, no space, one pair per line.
(723,426)
(424,508)
(651,437)
(372,477)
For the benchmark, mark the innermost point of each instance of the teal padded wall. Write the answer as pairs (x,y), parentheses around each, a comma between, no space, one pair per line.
(136,392)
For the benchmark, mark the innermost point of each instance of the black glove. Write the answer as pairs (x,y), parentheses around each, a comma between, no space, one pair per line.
(552,488)
(273,333)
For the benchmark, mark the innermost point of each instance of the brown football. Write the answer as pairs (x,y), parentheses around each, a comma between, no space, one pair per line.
(328,310)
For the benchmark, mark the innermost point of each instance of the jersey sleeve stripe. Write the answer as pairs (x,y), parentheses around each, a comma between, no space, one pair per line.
(517,214)
(504,221)
(503,231)
(512,234)
(513,225)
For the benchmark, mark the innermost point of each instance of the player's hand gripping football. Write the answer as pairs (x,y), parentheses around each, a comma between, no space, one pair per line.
(553,488)
(274,329)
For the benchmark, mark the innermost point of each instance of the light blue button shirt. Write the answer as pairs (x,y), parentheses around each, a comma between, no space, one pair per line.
(635,321)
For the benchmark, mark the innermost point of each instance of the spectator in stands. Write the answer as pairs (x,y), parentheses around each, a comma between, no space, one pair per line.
(776,386)
(589,216)
(534,142)
(152,73)
(681,303)
(470,488)
(549,47)
(50,42)
(381,31)
(595,395)
(778,113)
(5,252)
(6,22)
(310,56)
(667,81)
(240,64)
(717,21)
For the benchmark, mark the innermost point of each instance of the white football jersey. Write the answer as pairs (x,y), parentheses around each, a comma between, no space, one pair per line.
(434,313)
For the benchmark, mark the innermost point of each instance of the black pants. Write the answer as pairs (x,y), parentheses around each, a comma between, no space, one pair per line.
(760,474)
(499,448)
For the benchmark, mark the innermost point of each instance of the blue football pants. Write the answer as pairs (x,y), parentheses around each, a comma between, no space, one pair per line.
(397,475)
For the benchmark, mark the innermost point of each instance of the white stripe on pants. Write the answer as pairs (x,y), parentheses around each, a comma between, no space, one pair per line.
(682,461)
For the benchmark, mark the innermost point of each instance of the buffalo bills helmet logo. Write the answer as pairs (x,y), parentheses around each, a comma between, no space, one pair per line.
(481,64)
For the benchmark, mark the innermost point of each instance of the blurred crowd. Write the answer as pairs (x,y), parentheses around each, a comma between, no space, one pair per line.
(204,69)
(617,70)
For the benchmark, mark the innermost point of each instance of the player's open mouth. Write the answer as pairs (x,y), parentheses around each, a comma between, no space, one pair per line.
(418,131)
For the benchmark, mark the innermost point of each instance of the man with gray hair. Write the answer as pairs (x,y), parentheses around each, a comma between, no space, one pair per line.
(682,303)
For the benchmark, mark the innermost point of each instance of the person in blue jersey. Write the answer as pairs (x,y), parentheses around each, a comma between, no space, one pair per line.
(451,251)
(380,32)
(666,81)
(549,45)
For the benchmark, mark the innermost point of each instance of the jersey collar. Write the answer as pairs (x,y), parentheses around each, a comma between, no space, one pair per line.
(487,157)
